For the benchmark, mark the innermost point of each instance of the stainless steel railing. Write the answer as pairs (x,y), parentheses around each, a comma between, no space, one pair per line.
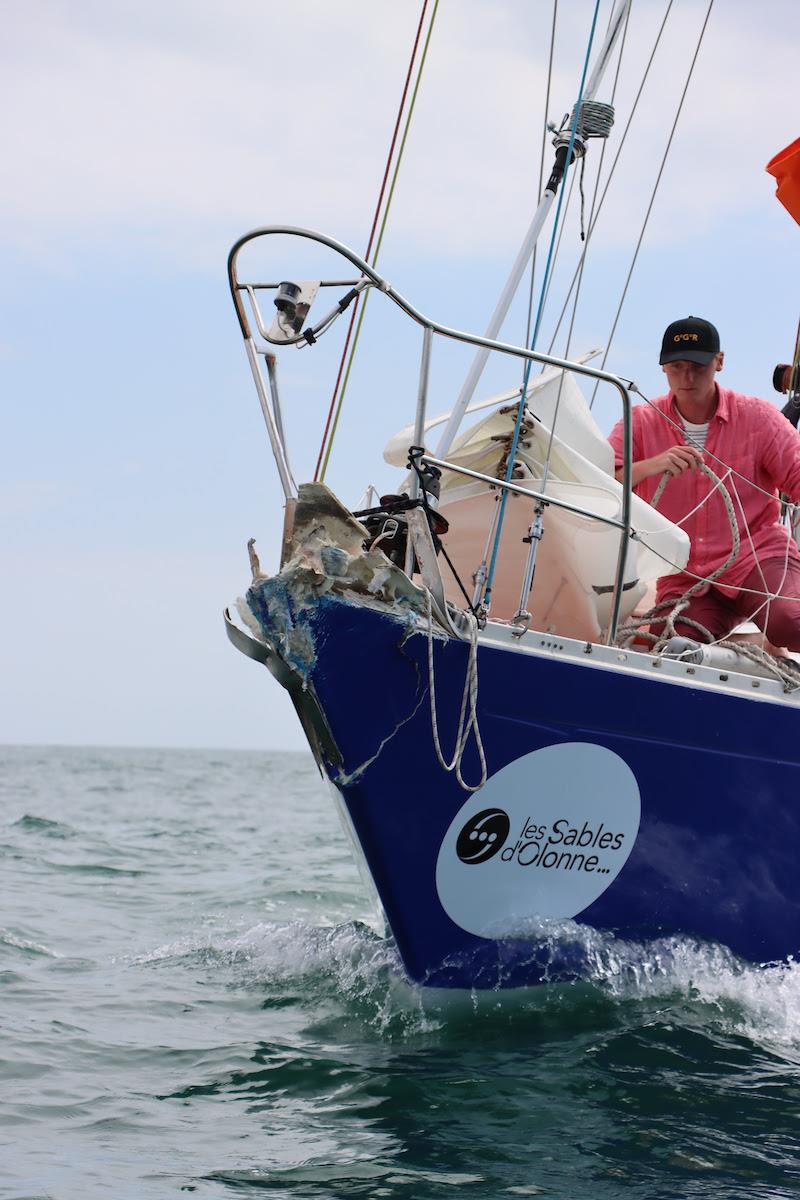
(266,381)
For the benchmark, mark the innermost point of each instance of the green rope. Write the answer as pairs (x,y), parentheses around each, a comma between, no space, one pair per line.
(374,261)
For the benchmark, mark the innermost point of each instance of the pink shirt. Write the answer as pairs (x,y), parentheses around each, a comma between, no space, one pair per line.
(745,433)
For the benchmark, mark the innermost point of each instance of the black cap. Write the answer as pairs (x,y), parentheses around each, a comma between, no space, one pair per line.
(689,340)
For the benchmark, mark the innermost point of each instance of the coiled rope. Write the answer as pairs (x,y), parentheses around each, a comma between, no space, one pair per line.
(785,670)
(470,696)
(593,118)
(659,612)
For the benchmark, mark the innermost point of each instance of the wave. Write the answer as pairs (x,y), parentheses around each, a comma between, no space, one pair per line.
(33,824)
(702,984)
(757,1001)
(15,941)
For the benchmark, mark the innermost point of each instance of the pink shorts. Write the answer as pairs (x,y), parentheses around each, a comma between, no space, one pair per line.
(778,618)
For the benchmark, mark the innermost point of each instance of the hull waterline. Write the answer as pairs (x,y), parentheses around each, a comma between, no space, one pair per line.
(668,807)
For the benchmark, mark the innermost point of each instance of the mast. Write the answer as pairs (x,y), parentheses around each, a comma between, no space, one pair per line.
(560,166)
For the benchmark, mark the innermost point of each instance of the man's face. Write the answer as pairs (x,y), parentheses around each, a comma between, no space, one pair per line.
(690,381)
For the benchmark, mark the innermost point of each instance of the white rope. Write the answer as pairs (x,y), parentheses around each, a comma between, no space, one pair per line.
(769,596)
(706,498)
(471,694)
(784,669)
(676,607)
(730,473)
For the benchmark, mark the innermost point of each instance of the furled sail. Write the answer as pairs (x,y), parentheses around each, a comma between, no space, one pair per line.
(577,559)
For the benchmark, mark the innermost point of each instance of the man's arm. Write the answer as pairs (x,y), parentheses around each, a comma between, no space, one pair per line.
(782,457)
(676,460)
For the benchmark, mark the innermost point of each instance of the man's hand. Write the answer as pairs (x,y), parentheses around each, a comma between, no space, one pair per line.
(676,460)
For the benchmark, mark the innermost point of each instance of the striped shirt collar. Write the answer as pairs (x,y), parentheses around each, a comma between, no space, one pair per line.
(723,409)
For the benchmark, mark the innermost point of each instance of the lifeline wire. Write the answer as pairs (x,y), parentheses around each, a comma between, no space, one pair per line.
(679,429)
(785,670)
(730,472)
(515,439)
(389,199)
(676,606)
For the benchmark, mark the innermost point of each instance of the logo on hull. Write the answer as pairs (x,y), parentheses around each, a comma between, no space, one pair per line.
(542,840)
(483,835)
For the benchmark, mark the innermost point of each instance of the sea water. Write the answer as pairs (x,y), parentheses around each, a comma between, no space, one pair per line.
(194,1000)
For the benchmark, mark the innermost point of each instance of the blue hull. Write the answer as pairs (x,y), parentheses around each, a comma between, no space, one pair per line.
(711,853)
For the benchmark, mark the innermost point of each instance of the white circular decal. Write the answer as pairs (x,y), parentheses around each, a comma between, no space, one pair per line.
(541,840)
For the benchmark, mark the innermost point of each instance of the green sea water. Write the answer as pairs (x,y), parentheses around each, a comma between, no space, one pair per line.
(193,999)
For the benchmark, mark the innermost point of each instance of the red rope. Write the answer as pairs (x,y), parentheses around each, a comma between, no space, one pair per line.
(354,311)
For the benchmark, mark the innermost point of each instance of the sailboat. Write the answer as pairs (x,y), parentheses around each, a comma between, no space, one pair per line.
(516,765)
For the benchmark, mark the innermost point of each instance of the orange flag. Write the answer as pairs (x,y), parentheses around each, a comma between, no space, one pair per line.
(786,169)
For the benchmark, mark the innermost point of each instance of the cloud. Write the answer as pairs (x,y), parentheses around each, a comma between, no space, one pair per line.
(177,126)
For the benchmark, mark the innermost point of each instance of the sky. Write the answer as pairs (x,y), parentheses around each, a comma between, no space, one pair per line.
(142,138)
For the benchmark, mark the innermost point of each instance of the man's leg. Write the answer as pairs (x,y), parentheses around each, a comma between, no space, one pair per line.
(713,611)
(779,619)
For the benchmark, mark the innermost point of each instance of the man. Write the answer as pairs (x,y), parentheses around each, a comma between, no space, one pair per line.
(751,446)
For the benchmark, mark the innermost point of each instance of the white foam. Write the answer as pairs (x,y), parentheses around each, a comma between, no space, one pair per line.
(348,960)
(761,1002)
(7,938)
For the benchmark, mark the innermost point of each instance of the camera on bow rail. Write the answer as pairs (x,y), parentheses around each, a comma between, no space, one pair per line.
(292,300)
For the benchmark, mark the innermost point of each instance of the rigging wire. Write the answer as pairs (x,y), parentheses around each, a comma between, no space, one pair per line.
(594,116)
(560,238)
(548,266)
(325,459)
(582,260)
(593,219)
(554,422)
(654,192)
(541,162)
(371,235)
